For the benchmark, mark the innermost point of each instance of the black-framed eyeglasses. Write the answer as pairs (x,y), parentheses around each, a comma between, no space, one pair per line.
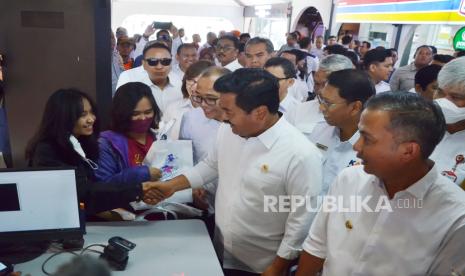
(207,101)
(325,103)
(223,48)
(164,37)
(155,61)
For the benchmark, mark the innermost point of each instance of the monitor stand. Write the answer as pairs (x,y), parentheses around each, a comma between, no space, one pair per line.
(15,253)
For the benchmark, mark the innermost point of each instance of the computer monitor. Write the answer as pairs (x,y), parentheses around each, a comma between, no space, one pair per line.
(39,205)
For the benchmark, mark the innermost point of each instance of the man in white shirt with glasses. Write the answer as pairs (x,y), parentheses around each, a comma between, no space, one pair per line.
(227,50)
(258,158)
(407,211)
(341,102)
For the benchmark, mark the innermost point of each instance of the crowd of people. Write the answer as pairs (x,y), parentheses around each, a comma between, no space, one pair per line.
(305,121)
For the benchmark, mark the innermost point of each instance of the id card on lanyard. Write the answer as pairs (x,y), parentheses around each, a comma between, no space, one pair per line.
(452,174)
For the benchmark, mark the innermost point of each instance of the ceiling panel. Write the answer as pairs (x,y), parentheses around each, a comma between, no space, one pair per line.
(215,2)
(262,2)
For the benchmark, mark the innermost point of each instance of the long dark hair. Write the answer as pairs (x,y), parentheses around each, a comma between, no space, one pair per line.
(62,110)
(124,102)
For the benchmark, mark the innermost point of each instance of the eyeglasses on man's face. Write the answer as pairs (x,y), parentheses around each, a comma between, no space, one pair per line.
(325,103)
(164,37)
(220,48)
(207,100)
(155,61)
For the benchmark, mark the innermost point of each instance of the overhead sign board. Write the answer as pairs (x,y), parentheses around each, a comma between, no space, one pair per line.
(459,40)
(401,11)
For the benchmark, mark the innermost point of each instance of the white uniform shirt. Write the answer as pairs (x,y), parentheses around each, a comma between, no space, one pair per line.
(318,52)
(337,155)
(288,104)
(204,46)
(174,48)
(306,116)
(402,242)
(140,47)
(299,90)
(233,65)
(170,94)
(177,70)
(382,86)
(310,83)
(280,161)
(313,62)
(202,132)
(448,154)
(171,120)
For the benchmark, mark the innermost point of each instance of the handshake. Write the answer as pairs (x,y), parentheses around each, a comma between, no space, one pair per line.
(156,191)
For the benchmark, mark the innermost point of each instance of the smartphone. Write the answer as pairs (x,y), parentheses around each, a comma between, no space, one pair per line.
(162,25)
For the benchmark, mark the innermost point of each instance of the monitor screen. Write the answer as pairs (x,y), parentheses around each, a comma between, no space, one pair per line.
(38,204)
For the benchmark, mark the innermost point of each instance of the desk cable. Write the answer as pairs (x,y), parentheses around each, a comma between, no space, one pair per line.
(73,253)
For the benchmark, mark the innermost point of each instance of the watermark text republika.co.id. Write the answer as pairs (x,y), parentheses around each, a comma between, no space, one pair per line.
(343,204)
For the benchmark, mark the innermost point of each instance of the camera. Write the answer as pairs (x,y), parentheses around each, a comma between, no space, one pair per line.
(116,253)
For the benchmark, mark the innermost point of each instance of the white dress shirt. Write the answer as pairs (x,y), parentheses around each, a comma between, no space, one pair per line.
(195,126)
(337,154)
(170,94)
(233,65)
(140,47)
(403,240)
(174,48)
(450,258)
(288,104)
(204,46)
(318,52)
(280,161)
(177,70)
(403,78)
(299,90)
(382,86)
(310,83)
(313,62)
(306,116)
(116,70)
(171,121)
(447,156)
(202,131)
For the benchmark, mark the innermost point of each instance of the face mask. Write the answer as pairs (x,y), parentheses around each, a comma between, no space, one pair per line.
(452,113)
(141,126)
(78,148)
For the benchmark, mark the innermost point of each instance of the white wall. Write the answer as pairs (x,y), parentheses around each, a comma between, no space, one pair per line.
(120,10)
(389,29)
(299,6)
